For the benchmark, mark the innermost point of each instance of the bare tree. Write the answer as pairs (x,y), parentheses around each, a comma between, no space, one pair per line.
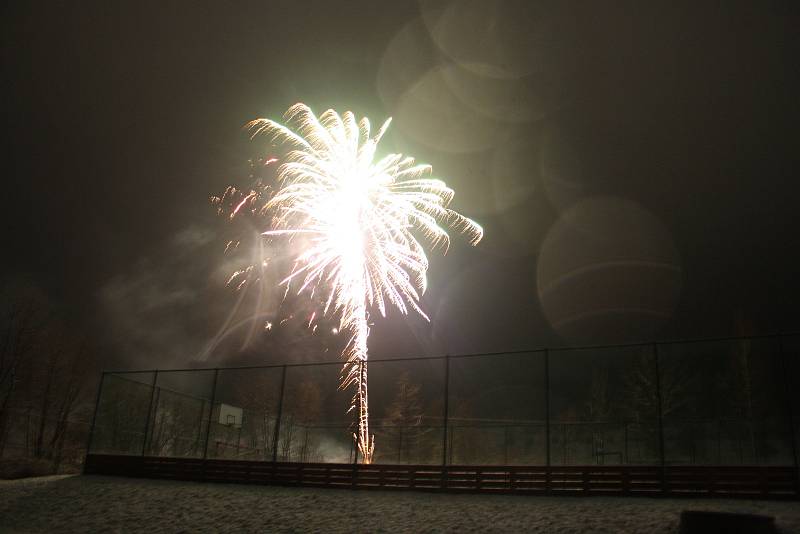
(642,390)
(24,317)
(73,386)
(44,374)
(739,380)
(598,407)
(257,395)
(403,419)
(303,404)
(178,424)
(57,376)
(641,396)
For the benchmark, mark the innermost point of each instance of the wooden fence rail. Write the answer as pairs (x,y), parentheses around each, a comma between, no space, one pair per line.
(752,482)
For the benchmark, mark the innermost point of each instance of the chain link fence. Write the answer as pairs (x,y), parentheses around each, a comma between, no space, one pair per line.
(710,402)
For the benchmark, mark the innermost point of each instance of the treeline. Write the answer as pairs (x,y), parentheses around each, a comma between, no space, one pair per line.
(48,376)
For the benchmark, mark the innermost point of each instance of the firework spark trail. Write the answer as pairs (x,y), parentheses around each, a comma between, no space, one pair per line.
(360,217)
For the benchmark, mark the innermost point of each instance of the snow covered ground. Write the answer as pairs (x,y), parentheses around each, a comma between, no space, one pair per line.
(110,504)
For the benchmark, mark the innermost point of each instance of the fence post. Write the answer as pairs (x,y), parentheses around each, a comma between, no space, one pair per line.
(445,417)
(210,412)
(352,451)
(452,439)
(505,444)
(547,419)
(660,418)
(278,418)
(789,413)
(149,411)
(547,405)
(94,418)
(400,445)
(625,431)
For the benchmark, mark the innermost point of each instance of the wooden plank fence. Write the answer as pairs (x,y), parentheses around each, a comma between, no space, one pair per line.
(752,482)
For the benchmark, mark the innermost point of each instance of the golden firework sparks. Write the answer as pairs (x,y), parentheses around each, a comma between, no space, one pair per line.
(363,220)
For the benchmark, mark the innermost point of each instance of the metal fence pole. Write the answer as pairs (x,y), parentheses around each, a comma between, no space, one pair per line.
(400,444)
(149,411)
(660,417)
(787,388)
(505,444)
(625,432)
(446,410)
(452,440)
(278,417)
(352,451)
(547,406)
(210,412)
(94,418)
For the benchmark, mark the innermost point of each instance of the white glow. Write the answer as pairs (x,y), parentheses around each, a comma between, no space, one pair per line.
(361,218)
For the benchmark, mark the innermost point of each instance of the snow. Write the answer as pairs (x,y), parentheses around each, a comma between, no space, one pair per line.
(112,504)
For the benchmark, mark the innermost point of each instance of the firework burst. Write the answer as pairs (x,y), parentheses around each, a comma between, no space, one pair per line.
(362,220)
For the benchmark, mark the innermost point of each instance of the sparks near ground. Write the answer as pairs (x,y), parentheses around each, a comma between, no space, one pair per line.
(360,222)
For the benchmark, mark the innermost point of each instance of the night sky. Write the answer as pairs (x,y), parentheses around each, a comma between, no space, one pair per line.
(634,164)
